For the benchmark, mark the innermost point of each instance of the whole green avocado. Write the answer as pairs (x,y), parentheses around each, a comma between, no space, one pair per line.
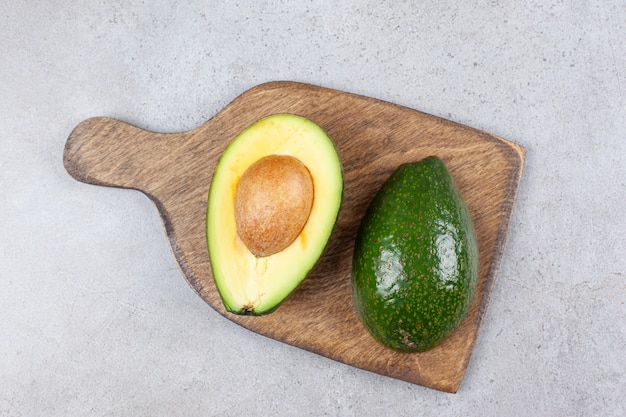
(415,262)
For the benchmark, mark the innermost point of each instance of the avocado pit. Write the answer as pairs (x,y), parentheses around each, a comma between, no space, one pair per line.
(273,202)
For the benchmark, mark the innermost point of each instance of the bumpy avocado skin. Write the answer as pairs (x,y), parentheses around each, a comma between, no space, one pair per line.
(415,263)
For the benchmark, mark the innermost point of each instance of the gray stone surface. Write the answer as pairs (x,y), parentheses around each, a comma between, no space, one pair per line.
(95,317)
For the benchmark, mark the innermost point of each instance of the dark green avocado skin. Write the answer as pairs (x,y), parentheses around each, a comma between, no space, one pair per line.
(415,262)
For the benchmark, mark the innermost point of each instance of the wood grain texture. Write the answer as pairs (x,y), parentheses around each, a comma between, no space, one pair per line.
(373,137)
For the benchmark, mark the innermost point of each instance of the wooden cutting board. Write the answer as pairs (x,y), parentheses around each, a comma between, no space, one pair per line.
(373,137)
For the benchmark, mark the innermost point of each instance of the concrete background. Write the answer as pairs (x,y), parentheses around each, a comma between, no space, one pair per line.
(95,317)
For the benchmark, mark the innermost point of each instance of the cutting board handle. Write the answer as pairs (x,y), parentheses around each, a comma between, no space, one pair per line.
(105,151)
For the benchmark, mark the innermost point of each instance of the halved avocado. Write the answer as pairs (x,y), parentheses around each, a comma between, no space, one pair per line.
(261,195)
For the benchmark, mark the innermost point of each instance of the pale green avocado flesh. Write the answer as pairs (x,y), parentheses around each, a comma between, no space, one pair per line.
(251,285)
